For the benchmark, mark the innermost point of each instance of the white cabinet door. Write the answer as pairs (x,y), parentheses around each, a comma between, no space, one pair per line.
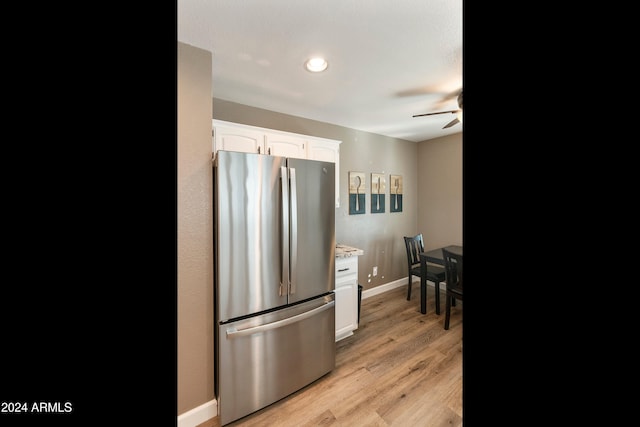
(286,145)
(346,296)
(237,139)
(327,151)
(344,321)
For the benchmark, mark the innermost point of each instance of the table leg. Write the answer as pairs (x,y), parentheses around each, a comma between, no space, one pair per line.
(423,286)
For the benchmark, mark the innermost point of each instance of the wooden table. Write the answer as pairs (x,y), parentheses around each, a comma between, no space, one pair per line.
(433,256)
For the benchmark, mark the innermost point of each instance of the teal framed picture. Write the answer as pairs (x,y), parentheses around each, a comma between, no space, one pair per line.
(395,193)
(357,193)
(378,190)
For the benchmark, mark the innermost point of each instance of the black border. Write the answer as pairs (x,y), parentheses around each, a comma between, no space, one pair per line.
(89,302)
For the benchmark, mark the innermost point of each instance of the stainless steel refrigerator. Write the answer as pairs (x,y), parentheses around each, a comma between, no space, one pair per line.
(274,235)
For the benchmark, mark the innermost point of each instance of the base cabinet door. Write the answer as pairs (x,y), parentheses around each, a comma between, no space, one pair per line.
(345,322)
(346,296)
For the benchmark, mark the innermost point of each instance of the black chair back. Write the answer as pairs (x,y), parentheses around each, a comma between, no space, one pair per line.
(434,273)
(414,246)
(453,269)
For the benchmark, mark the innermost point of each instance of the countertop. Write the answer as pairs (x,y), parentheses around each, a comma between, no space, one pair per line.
(343,251)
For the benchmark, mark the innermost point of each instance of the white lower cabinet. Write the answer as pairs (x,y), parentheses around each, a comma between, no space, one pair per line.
(346,296)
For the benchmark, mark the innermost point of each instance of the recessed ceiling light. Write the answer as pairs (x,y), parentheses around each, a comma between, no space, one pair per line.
(315,65)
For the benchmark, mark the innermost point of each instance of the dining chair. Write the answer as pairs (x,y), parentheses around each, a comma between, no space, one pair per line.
(453,272)
(435,273)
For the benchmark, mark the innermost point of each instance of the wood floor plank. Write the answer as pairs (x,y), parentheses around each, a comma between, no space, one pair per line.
(400,368)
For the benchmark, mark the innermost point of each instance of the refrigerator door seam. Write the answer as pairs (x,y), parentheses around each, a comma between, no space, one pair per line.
(232,333)
(294,232)
(284,276)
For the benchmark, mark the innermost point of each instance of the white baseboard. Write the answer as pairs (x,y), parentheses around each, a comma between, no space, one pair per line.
(198,415)
(395,284)
(384,288)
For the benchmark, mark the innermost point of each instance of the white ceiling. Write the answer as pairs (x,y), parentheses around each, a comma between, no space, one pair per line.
(388,59)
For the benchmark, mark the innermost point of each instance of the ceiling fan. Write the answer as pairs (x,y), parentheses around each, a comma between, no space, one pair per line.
(458,112)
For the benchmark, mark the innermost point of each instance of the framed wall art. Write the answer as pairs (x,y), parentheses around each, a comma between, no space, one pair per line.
(395,193)
(357,193)
(378,190)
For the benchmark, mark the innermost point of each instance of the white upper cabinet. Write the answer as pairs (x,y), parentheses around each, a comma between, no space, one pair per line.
(231,136)
(286,145)
(234,138)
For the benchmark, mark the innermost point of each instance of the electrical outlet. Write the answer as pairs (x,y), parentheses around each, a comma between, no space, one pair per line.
(375,271)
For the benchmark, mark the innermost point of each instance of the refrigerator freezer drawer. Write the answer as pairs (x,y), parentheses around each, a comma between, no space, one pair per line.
(265,358)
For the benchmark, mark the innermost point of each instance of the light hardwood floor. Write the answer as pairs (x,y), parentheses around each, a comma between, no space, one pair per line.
(400,368)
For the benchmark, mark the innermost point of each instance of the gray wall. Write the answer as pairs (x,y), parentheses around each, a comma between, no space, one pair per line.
(195,229)
(440,191)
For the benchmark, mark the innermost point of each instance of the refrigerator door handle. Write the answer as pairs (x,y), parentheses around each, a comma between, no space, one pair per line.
(232,333)
(294,232)
(284,275)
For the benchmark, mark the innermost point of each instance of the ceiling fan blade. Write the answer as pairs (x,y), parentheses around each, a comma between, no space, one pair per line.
(431,114)
(448,97)
(451,123)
